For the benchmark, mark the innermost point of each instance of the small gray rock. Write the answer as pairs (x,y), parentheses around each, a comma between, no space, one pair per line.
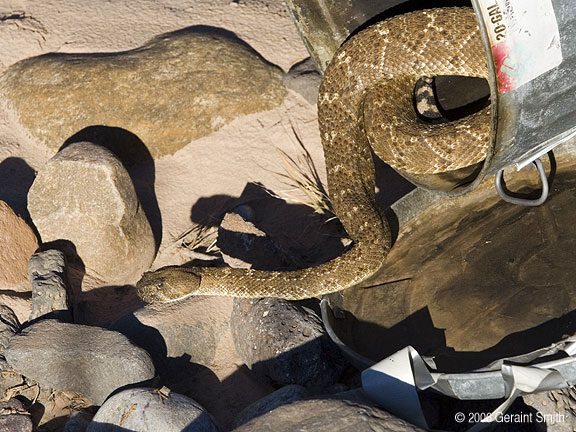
(323,415)
(14,418)
(305,79)
(285,343)
(147,410)
(71,357)
(280,397)
(9,326)
(47,271)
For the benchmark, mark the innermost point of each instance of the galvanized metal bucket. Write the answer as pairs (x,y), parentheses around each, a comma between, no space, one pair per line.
(532,47)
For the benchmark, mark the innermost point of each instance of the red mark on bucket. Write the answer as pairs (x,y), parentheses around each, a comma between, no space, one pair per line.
(505,67)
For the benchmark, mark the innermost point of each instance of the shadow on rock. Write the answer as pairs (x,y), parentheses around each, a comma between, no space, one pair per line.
(307,237)
(185,375)
(138,161)
(105,304)
(98,306)
(16,177)
(179,373)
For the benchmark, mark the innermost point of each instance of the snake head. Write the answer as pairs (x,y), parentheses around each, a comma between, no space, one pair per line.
(167,284)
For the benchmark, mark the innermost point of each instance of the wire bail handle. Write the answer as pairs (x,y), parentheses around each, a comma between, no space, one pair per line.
(499,183)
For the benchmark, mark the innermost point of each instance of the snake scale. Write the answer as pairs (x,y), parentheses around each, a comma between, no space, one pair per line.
(365,102)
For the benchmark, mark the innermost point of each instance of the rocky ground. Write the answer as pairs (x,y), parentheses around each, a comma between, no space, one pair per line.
(143,134)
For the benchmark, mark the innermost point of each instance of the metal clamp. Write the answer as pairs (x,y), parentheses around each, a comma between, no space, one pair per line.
(523,201)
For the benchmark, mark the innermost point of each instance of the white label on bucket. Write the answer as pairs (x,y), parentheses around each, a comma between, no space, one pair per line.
(524,38)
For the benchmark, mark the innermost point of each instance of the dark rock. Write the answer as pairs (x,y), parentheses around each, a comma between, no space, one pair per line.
(280,397)
(151,410)
(70,357)
(9,326)
(323,415)
(14,418)
(284,343)
(47,271)
(305,79)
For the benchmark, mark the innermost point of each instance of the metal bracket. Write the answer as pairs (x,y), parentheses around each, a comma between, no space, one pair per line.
(523,201)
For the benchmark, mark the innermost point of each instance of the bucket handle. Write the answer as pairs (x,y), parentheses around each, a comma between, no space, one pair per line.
(499,183)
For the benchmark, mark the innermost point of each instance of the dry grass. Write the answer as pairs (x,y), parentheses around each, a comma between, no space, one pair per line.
(199,236)
(300,174)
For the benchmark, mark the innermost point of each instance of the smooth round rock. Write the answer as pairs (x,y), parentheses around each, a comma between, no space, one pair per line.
(324,415)
(85,195)
(71,357)
(285,343)
(151,410)
(177,88)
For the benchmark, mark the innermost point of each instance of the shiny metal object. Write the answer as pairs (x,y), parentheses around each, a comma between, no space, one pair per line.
(529,119)
(499,184)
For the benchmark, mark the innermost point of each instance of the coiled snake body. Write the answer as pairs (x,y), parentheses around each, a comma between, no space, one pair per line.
(365,102)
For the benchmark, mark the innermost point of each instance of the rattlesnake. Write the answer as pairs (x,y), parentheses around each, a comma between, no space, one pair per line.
(365,101)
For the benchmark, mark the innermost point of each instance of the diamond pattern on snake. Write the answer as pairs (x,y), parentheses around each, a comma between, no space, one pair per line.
(365,103)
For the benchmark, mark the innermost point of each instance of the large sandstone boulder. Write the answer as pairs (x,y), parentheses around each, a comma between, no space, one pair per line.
(85,195)
(177,88)
(18,243)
